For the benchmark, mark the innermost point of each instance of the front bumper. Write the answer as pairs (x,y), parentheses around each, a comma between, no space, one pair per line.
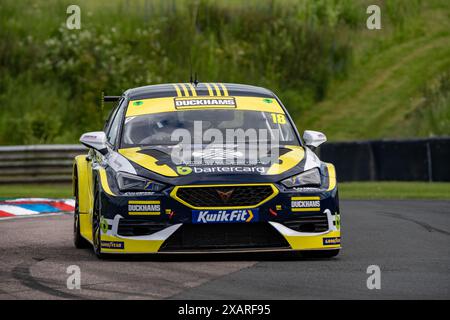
(165,225)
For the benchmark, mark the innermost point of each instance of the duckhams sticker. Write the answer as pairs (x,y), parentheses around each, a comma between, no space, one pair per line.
(183,103)
(299,204)
(138,207)
(225,216)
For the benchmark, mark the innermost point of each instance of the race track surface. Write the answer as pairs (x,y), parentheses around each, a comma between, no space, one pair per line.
(408,240)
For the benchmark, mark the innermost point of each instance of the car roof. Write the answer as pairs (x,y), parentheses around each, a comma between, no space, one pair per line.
(201,89)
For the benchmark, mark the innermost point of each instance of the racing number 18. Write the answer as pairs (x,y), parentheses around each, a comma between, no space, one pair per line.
(278,118)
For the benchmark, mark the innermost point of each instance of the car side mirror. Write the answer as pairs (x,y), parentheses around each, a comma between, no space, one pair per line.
(313,138)
(95,140)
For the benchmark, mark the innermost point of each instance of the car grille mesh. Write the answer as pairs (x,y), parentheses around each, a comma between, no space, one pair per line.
(225,196)
(131,227)
(312,223)
(196,237)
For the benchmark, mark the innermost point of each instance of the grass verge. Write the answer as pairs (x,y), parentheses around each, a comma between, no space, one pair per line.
(347,190)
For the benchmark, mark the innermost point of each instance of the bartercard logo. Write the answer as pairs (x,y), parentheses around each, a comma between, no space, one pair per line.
(225,216)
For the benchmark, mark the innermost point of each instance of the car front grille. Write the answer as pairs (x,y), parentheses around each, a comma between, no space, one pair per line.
(131,227)
(225,196)
(313,223)
(194,237)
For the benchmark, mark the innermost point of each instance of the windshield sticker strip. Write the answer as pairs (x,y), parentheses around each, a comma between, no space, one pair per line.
(183,103)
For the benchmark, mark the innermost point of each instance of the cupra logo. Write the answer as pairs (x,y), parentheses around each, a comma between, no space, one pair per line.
(225,196)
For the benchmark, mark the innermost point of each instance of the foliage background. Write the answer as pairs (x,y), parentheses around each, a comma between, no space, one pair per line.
(331,72)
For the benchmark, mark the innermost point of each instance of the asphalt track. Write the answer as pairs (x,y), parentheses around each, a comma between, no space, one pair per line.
(408,240)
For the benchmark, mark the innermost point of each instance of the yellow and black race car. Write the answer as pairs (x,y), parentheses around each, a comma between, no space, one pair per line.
(203,167)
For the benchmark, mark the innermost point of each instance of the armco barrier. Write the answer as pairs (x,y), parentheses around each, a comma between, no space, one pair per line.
(394,160)
(38,163)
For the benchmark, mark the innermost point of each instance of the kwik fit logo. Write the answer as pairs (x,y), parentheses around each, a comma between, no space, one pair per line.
(225,216)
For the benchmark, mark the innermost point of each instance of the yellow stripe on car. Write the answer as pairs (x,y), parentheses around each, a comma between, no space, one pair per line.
(186,92)
(209,89)
(147,161)
(224,89)
(217,90)
(287,160)
(177,89)
(104,182)
(194,92)
(331,176)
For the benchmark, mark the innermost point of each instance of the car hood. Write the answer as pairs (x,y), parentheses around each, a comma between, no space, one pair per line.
(210,164)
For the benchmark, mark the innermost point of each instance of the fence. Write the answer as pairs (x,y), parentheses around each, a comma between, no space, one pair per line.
(395,160)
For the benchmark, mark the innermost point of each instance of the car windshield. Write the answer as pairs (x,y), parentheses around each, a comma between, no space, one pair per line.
(160,128)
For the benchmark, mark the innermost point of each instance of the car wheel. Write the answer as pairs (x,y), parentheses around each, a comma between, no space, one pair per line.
(96,233)
(78,240)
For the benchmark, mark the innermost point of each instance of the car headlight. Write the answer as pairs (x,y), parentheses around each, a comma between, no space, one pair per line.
(128,182)
(310,178)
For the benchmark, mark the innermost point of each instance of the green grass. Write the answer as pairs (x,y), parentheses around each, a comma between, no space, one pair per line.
(348,190)
(394,190)
(36,191)
(383,96)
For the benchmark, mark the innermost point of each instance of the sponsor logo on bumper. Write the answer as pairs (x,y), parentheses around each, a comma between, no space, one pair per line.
(138,207)
(113,245)
(299,204)
(331,241)
(225,216)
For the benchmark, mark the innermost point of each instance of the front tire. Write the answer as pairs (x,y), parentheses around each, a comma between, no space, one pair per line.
(96,231)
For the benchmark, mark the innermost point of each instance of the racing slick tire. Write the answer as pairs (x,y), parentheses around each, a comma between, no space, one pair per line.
(96,230)
(78,240)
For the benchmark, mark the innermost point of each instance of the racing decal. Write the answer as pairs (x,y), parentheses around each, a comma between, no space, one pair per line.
(144,207)
(34,206)
(184,103)
(158,105)
(337,221)
(104,226)
(287,161)
(299,204)
(225,216)
(147,161)
(113,245)
(182,170)
(331,241)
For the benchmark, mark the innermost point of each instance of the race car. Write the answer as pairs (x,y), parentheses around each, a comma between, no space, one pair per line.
(164,176)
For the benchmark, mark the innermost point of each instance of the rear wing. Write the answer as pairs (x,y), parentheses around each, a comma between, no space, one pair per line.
(111,98)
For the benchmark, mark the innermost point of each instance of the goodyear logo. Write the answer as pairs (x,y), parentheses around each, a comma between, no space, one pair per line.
(299,204)
(139,207)
(113,245)
(189,103)
(225,216)
(331,241)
